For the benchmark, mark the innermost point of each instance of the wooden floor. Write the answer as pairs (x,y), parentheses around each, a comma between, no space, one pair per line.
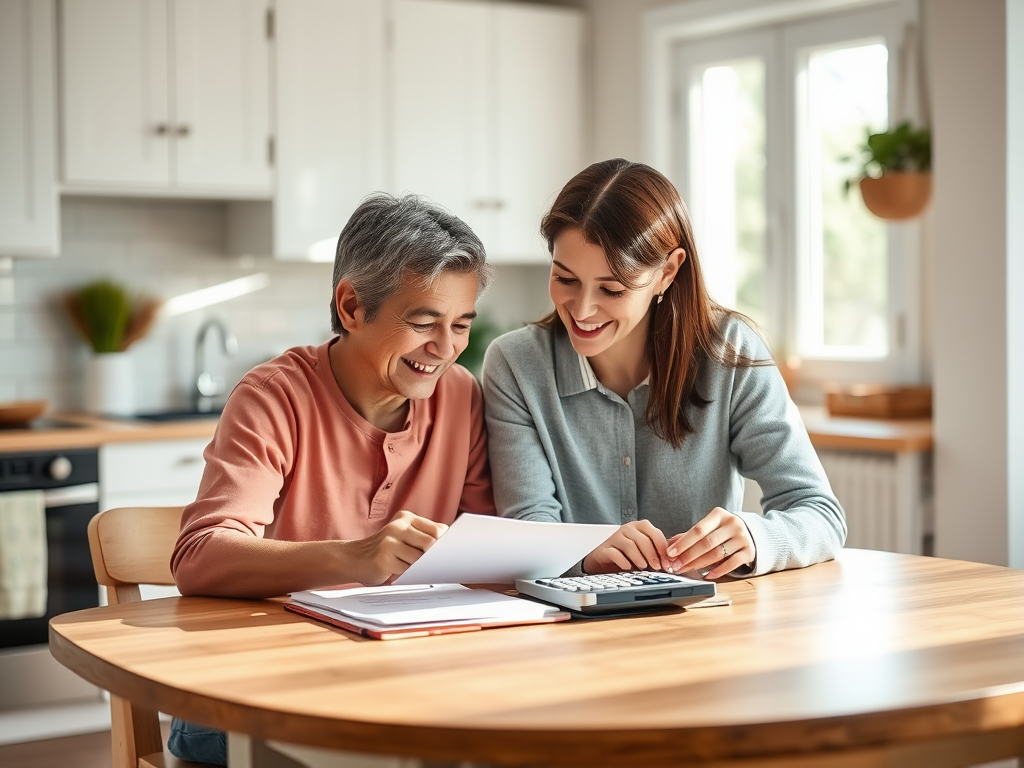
(90,750)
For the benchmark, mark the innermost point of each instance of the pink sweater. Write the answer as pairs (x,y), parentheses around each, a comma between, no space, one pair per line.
(292,460)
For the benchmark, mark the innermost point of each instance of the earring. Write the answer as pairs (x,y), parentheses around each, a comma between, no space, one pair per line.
(661,296)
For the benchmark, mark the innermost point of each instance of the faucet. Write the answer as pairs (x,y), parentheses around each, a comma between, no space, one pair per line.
(208,386)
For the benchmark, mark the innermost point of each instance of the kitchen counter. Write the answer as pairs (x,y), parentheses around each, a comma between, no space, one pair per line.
(862,434)
(843,433)
(93,431)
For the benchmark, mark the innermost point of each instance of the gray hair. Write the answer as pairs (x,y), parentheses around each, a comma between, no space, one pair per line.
(387,238)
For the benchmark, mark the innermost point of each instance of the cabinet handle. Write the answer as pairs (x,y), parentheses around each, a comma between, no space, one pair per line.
(161,129)
(183,130)
(188,461)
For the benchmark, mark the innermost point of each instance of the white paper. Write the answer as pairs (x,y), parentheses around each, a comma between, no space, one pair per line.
(404,606)
(479,549)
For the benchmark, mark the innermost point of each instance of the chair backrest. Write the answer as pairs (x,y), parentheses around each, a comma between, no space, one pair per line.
(132,546)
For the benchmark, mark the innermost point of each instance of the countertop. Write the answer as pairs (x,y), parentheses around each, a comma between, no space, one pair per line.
(861,434)
(93,431)
(856,434)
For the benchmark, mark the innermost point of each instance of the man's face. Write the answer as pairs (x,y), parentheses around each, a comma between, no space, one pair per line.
(417,335)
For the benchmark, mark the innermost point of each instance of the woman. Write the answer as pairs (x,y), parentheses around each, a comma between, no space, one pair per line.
(641,402)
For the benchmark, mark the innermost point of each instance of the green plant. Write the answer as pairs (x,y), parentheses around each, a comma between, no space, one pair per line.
(108,317)
(901,149)
(481,334)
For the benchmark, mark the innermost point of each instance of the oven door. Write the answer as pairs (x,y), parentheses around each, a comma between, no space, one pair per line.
(31,676)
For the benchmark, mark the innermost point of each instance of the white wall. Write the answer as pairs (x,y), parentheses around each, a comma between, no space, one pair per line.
(967,44)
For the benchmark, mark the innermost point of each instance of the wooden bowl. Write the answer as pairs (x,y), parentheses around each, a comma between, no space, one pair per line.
(21,411)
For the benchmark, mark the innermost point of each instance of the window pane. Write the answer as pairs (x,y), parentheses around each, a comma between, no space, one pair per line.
(727,129)
(845,307)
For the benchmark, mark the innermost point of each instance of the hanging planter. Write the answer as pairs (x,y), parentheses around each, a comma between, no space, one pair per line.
(897,195)
(895,177)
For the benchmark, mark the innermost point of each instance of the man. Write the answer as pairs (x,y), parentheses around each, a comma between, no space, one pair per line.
(345,462)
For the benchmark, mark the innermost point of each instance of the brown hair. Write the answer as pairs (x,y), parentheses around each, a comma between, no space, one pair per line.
(638,218)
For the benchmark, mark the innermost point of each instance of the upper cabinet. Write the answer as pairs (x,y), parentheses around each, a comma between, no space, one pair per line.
(487,110)
(29,220)
(167,97)
(330,85)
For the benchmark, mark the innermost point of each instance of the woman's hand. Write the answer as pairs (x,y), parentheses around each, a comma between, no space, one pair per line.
(718,544)
(637,545)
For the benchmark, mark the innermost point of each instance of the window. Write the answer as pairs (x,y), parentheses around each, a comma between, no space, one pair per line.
(761,127)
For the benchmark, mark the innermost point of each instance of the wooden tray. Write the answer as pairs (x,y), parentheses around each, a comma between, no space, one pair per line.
(879,401)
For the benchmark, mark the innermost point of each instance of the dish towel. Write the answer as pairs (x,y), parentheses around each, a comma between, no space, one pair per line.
(22,555)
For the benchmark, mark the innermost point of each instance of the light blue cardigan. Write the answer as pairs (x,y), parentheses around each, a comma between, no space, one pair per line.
(564,448)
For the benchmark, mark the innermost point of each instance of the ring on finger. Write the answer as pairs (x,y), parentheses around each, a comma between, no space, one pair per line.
(725,553)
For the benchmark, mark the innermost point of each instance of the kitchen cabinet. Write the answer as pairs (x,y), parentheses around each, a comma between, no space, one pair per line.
(329,78)
(151,473)
(487,113)
(475,105)
(29,217)
(166,97)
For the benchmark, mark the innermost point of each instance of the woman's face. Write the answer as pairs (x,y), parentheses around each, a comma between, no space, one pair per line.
(599,312)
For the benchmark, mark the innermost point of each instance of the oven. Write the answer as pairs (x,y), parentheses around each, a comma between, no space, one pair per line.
(69,481)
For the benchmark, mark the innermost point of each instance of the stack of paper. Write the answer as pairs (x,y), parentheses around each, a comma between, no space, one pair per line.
(413,611)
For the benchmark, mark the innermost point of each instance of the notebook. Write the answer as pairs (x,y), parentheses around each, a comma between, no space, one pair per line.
(390,612)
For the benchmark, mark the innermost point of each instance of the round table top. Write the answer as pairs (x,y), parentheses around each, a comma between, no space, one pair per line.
(870,650)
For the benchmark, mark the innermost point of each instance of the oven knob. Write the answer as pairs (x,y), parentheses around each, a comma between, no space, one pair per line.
(60,468)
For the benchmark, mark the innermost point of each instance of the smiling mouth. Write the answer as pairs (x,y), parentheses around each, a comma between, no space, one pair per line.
(588,329)
(420,367)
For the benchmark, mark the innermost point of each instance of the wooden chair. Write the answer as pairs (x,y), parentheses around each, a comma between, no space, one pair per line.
(132,546)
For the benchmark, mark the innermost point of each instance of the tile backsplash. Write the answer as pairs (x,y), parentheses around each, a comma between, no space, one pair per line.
(166,248)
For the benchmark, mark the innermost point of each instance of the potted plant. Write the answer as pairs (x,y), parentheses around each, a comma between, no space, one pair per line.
(483,332)
(895,177)
(110,320)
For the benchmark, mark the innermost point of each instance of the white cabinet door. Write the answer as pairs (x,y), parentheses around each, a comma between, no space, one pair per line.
(29,222)
(487,105)
(441,109)
(330,89)
(538,99)
(114,77)
(166,96)
(151,473)
(220,103)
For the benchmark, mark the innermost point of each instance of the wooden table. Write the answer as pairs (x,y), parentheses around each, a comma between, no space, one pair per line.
(874,659)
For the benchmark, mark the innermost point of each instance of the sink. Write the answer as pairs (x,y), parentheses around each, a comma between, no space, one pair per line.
(185,415)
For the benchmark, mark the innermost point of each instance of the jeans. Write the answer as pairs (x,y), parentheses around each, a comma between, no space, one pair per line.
(197,743)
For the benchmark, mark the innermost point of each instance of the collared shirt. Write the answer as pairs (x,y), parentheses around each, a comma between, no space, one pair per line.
(563,447)
(292,460)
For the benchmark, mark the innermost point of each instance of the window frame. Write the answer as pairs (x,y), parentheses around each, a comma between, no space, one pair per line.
(798,24)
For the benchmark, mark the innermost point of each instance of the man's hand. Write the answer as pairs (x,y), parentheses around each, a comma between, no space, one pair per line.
(718,544)
(636,545)
(392,549)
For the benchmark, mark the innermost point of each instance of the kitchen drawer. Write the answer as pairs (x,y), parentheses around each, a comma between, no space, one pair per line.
(146,467)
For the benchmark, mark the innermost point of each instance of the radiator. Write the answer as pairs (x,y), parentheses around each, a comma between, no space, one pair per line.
(886,497)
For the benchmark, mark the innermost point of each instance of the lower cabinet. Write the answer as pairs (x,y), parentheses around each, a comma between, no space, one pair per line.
(159,473)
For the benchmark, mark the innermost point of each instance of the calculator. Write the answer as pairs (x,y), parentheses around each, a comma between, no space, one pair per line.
(617,592)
